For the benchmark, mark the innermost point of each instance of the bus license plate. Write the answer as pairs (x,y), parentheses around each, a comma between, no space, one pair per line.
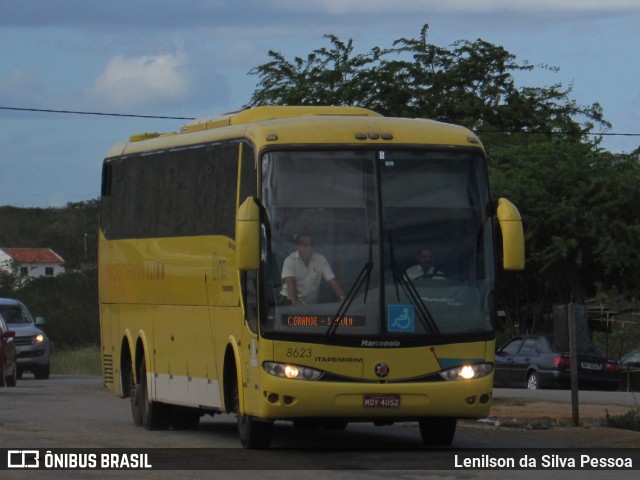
(382,401)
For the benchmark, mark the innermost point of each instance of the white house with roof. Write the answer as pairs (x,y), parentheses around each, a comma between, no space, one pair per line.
(32,262)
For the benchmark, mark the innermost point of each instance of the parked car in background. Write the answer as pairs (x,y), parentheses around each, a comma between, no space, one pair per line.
(33,349)
(8,367)
(630,369)
(533,361)
(631,360)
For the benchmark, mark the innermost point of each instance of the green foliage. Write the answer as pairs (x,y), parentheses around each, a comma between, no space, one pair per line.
(68,302)
(77,361)
(624,333)
(627,421)
(72,232)
(470,83)
(579,207)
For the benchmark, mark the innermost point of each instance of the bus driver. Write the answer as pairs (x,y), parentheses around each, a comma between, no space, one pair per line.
(425,267)
(302,273)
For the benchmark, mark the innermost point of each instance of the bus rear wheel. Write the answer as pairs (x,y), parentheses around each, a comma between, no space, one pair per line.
(151,415)
(253,433)
(438,431)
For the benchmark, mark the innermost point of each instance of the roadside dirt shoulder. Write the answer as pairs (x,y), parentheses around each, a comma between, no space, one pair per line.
(553,420)
(542,414)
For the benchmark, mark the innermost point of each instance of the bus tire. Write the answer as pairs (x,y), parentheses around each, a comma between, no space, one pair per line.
(151,415)
(135,397)
(437,431)
(253,433)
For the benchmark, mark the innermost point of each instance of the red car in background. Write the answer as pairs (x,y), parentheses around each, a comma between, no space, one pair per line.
(8,367)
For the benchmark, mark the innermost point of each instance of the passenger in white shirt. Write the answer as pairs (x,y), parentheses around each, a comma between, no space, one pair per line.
(302,274)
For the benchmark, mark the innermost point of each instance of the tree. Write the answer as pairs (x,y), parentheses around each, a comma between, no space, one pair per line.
(471,84)
(579,208)
(69,301)
(71,232)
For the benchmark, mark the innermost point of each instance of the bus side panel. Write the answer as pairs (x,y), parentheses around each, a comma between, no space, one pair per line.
(159,290)
(110,334)
(185,367)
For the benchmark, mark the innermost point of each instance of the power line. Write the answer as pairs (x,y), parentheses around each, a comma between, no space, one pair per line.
(94,113)
(104,114)
(605,134)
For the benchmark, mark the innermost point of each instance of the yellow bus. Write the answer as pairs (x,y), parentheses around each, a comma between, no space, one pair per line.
(203,230)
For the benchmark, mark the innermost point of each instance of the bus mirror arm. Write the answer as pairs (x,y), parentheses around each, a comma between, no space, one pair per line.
(512,235)
(248,235)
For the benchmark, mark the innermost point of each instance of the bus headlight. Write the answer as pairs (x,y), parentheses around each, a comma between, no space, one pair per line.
(293,372)
(467,372)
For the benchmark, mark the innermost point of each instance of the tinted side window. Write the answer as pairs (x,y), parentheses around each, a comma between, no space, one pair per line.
(249,173)
(511,348)
(190,191)
(528,346)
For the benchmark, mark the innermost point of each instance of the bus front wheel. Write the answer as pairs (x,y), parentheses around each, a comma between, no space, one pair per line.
(437,431)
(253,433)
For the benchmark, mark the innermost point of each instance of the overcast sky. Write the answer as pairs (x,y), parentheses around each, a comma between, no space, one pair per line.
(189,59)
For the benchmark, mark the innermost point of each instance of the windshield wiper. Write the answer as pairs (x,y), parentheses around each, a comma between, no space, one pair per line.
(400,277)
(364,275)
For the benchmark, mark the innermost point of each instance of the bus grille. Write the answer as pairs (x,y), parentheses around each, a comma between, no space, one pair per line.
(107,368)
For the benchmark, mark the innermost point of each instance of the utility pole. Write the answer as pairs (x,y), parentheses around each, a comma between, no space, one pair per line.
(573,354)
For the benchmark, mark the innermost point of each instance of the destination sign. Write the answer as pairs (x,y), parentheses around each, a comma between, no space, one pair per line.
(322,321)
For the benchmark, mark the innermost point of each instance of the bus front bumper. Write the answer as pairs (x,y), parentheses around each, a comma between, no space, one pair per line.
(282,399)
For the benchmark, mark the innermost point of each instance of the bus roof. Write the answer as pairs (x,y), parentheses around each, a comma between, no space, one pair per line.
(299,125)
(261,114)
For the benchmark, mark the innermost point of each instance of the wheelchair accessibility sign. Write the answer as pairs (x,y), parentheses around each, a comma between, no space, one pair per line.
(400,318)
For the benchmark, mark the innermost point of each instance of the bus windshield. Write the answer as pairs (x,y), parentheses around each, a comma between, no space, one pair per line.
(393,245)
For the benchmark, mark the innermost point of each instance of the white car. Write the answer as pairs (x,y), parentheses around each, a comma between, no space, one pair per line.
(33,349)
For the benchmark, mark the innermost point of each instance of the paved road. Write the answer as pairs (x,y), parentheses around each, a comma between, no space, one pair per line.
(78,412)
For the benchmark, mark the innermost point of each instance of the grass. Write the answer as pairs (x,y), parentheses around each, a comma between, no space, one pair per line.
(627,421)
(77,361)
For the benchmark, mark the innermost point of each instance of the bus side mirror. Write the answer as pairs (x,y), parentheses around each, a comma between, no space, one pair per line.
(248,235)
(512,235)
